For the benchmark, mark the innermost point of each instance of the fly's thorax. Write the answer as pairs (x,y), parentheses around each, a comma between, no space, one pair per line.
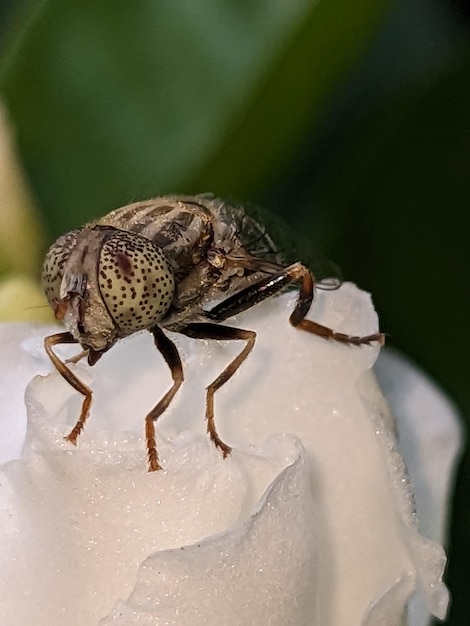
(110,283)
(181,226)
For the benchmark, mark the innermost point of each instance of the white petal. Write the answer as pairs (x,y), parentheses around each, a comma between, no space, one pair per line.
(231,578)
(430,439)
(82,523)
(18,366)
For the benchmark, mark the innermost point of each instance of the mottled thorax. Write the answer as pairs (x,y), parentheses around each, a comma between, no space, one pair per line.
(182,229)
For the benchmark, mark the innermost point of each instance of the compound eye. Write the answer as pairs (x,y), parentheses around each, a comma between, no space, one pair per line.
(53,267)
(135,281)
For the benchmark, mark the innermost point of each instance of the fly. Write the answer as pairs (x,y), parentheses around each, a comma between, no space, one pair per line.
(158,265)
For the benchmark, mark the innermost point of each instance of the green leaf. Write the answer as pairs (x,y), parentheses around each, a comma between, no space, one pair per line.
(118,100)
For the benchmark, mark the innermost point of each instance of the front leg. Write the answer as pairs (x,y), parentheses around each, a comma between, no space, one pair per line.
(70,377)
(273,284)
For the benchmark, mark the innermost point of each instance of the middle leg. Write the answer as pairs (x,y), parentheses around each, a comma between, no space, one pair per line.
(214,331)
(168,349)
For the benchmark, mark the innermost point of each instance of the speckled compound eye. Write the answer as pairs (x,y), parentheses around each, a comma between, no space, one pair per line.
(53,267)
(135,281)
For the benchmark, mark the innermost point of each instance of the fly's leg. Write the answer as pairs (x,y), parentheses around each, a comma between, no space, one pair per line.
(267,287)
(301,274)
(78,357)
(70,377)
(169,352)
(214,331)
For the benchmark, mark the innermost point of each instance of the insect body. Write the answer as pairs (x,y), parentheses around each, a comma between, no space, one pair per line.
(157,265)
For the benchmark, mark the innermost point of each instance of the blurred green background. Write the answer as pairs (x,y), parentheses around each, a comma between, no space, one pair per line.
(351,120)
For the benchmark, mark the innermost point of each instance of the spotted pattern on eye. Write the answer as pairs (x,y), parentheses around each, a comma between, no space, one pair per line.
(54,263)
(135,281)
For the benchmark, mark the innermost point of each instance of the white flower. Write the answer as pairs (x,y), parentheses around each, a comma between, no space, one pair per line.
(313,527)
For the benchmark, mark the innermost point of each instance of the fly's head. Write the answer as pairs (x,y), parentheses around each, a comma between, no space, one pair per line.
(106,283)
